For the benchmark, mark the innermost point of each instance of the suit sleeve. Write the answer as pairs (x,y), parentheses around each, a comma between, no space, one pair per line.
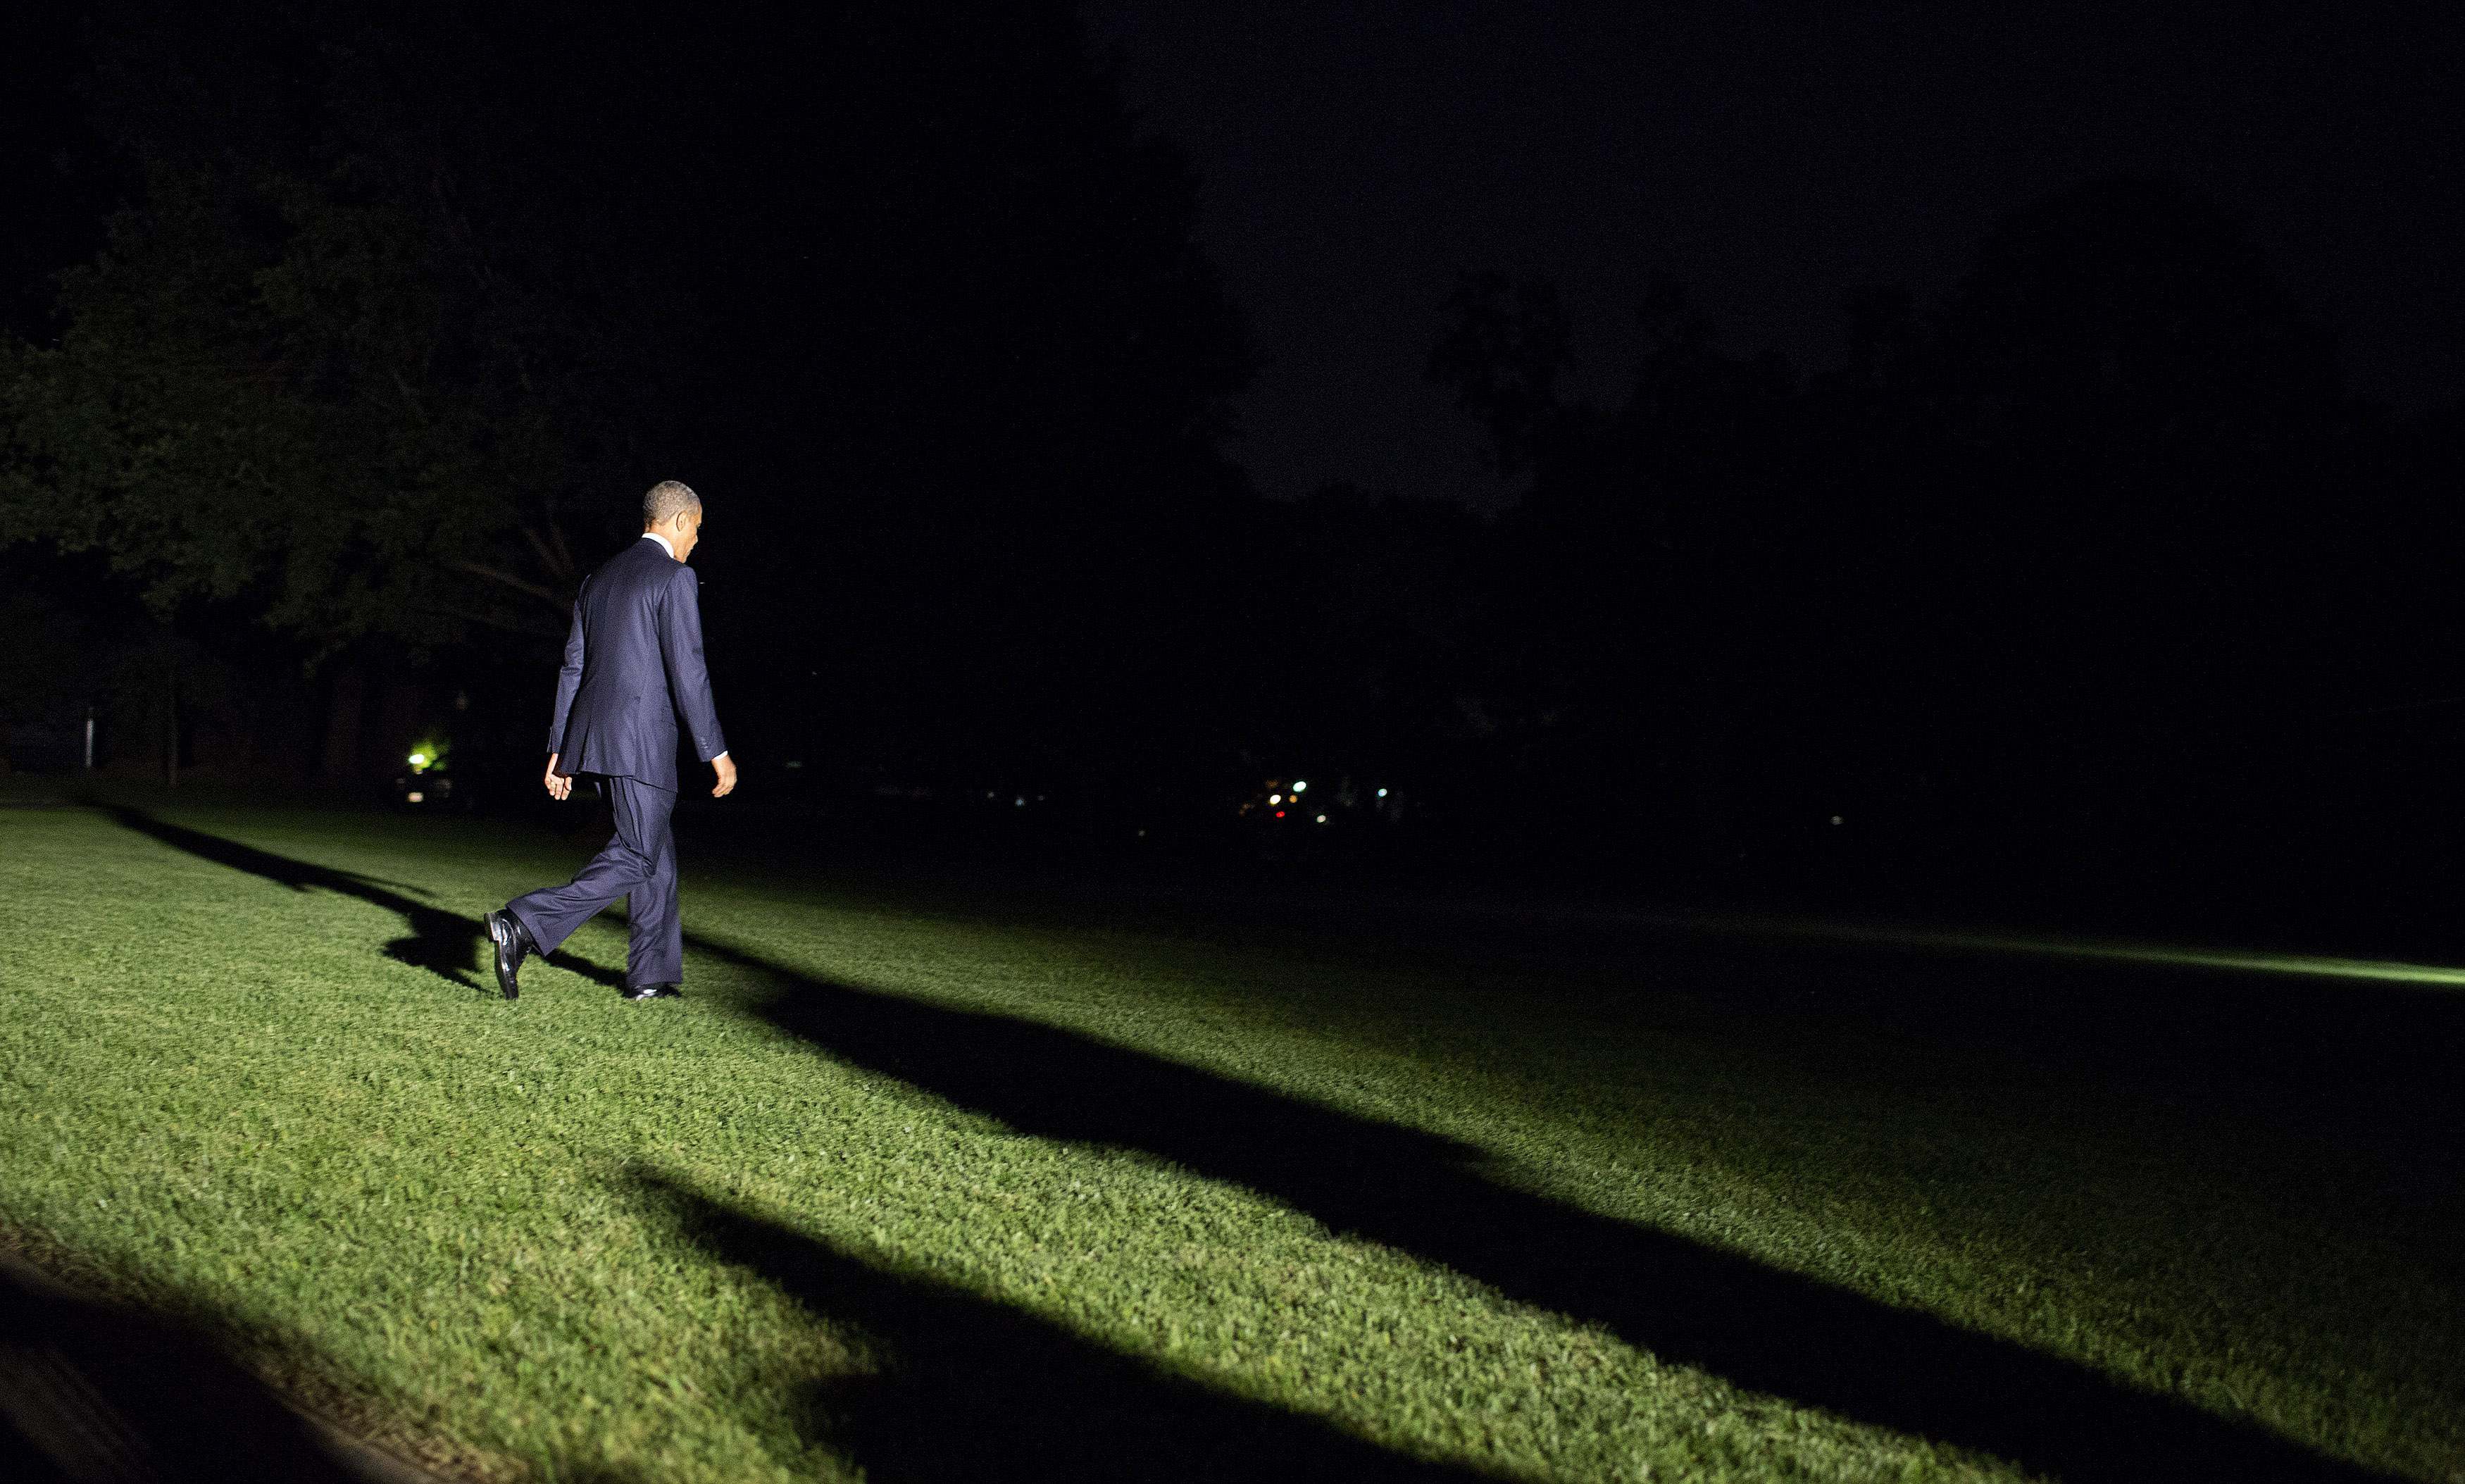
(568,681)
(688,678)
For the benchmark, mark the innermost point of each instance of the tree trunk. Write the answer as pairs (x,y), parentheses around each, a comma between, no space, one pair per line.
(342,724)
(170,710)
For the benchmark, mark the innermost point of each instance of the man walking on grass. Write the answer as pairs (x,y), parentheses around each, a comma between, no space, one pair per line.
(631,664)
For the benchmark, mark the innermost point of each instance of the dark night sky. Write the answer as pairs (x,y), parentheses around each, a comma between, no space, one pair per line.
(1773,157)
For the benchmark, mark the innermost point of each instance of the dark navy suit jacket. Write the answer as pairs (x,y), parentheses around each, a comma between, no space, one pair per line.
(632,665)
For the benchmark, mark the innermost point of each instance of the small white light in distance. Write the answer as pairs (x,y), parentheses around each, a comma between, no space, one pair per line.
(1020,800)
(1321,819)
(416,797)
(1275,798)
(419,759)
(1836,819)
(1382,794)
(1299,785)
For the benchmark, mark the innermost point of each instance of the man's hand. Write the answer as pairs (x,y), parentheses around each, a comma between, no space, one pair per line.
(558,785)
(725,766)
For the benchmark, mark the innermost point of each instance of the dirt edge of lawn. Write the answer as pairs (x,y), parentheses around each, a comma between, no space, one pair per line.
(84,1354)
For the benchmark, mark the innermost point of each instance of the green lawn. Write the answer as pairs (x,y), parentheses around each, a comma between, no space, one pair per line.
(943,1185)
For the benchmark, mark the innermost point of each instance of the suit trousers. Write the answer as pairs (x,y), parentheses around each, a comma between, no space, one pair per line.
(638,864)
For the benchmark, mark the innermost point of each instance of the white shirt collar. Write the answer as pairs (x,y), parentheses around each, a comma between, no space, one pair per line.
(666,544)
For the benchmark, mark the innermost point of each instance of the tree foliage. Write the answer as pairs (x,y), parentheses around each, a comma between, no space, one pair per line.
(319,367)
(402,314)
(2003,573)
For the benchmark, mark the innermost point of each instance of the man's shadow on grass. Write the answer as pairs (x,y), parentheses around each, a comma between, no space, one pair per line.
(1686,1302)
(1758,1326)
(439,942)
(972,1390)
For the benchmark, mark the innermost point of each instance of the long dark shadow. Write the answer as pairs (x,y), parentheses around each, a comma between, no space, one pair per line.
(972,1390)
(442,942)
(1763,1328)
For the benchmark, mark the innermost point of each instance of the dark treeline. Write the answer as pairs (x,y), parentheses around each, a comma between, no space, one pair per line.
(2090,578)
(392,321)
(339,348)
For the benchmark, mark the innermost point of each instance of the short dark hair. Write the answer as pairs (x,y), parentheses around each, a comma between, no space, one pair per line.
(666,498)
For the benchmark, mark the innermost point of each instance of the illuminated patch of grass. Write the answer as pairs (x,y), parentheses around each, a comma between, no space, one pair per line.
(910,1183)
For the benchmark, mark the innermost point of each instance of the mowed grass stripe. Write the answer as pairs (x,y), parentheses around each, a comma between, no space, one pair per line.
(495,1223)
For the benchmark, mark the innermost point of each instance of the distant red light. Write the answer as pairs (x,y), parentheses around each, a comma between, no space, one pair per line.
(1280,813)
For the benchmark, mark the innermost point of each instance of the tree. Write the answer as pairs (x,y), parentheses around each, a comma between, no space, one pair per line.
(402,313)
(308,348)
(1987,573)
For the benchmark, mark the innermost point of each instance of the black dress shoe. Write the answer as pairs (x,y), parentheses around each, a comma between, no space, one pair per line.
(513,944)
(652,991)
